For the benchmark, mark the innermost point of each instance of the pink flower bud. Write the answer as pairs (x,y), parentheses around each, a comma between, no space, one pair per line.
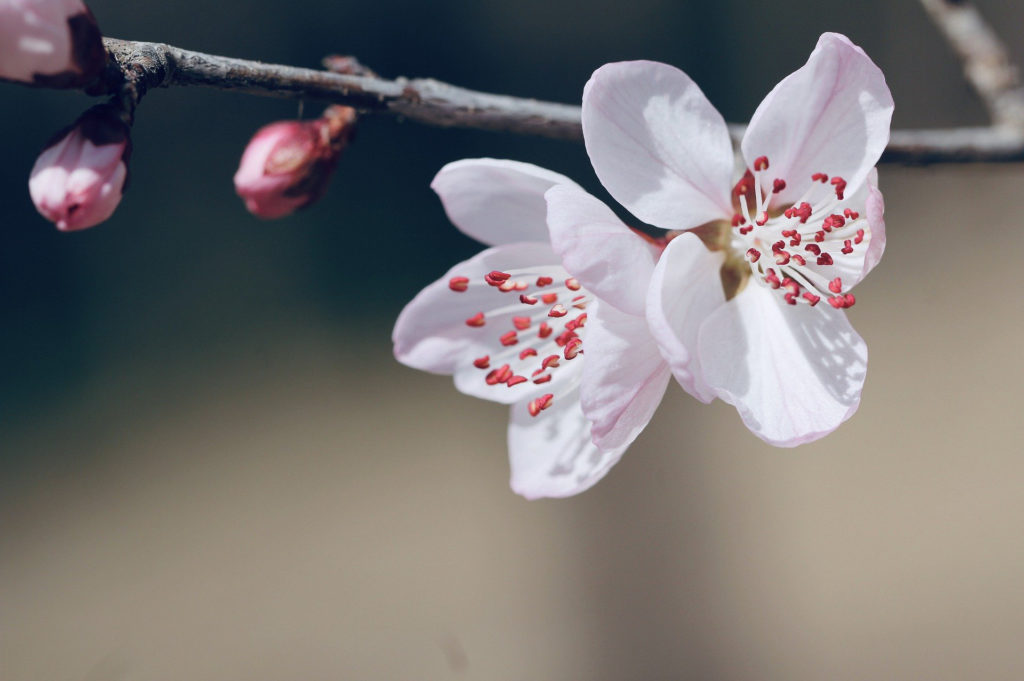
(78,180)
(288,164)
(55,43)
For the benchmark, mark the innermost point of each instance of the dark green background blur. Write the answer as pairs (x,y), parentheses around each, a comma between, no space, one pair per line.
(210,467)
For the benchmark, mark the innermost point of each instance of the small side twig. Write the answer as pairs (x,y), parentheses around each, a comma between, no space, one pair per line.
(987,64)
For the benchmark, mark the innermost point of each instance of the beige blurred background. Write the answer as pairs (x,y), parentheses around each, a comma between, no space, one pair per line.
(212,469)
(319,512)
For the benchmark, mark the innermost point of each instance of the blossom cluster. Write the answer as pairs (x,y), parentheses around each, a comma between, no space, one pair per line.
(579,321)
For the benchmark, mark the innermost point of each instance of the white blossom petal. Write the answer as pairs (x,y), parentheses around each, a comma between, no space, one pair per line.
(830,116)
(496,201)
(686,287)
(624,377)
(552,454)
(794,372)
(607,257)
(657,144)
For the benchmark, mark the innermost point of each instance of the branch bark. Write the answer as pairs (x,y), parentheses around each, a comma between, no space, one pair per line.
(141,66)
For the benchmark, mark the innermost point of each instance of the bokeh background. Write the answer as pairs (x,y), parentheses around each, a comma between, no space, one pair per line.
(212,468)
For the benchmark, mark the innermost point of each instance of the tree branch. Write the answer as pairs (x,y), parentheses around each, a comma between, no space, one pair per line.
(140,66)
(987,64)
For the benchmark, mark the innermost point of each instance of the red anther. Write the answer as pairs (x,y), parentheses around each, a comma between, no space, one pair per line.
(528,300)
(819,177)
(558,311)
(840,185)
(836,301)
(803,211)
(549,361)
(738,220)
(847,247)
(811,298)
(788,212)
(499,375)
(549,298)
(571,325)
(542,379)
(790,298)
(537,372)
(772,279)
(849,300)
(836,285)
(545,330)
(580,321)
(482,362)
(778,245)
(782,258)
(790,285)
(540,404)
(761,163)
(799,259)
(825,259)
(745,185)
(528,352)
(819,236)
(813,248)
(509,338)
(778,186)
(753,255)
(544,281)
(507,286)
(860,236)
(521,323)
(516,380)
(579,302)
(573,348)
(496,278)
(476,320)
(835,221)
(787,233)
(851,214)
(746,230)
(795,241)
(458,283)
(572,283)
(562,339)
(762,219)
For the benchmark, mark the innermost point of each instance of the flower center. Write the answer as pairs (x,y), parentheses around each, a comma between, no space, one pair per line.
(535,327)
(795,248)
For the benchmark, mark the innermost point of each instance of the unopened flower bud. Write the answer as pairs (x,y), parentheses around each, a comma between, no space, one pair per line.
(288,164)
(78,180)
(55,43)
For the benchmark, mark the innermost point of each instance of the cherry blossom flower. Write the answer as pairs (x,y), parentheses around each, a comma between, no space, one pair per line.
(747,301)
(512,325)
(55,43)
(78,179)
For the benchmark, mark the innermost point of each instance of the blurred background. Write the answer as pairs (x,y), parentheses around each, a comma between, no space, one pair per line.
(212,468)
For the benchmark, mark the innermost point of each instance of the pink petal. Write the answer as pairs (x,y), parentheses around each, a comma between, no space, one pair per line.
(610,260)
(431,333)
(830,116)
(686,287)
(657,144)
(624,377)
(551,454)
(876,222)
(496,201)
(793,372)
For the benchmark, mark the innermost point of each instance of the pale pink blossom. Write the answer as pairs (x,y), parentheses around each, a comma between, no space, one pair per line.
(78,179)
(747,301)
(49,42)
(512,325)
(287,165)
